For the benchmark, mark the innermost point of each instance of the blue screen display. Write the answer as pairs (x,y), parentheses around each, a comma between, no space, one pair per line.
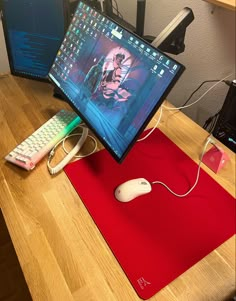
(112,78)
(34,31)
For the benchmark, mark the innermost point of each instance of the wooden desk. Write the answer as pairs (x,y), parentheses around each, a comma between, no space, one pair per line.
(62,253)
(229,4)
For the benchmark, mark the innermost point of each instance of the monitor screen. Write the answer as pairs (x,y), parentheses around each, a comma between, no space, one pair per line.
(112,78)
(33,33)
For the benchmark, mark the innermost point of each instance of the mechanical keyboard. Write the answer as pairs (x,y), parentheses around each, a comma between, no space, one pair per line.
(29,152)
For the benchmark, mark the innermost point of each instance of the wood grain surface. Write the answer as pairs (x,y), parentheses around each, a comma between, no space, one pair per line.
(61,252)
(229,4)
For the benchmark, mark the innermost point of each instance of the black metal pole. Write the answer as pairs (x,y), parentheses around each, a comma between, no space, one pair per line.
(140,17)
(108,8)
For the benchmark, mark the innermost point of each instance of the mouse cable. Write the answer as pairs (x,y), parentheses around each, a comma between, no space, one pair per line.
(193,103)
(209,140)
(227,82)
(186,106)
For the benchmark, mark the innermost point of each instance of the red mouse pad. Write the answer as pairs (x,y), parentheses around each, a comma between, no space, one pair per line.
(157,236)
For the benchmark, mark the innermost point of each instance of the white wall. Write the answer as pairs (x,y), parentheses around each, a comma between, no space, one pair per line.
(4,66)
(209,53)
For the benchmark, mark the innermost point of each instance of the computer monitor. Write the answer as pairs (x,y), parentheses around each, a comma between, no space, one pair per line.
(33,32)
(112,78)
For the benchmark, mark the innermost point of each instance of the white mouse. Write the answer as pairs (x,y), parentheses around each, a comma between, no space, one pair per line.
(131,189)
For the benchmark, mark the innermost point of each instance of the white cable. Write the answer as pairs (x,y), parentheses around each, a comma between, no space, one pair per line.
(209,140)
(213,86)
(169,108)
(80,156)
(158,121)
(69,156)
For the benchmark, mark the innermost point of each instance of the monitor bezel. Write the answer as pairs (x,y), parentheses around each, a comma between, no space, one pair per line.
(151,114)
(66,12)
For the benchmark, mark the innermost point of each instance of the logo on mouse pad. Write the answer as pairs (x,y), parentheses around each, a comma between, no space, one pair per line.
(143,283)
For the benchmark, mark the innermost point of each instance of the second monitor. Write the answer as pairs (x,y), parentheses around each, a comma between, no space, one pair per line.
(33,33)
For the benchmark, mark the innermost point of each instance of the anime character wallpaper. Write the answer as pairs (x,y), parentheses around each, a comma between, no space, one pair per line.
(110,75)
(109,82)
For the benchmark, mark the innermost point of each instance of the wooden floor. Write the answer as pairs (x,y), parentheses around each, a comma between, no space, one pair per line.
(12,283)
